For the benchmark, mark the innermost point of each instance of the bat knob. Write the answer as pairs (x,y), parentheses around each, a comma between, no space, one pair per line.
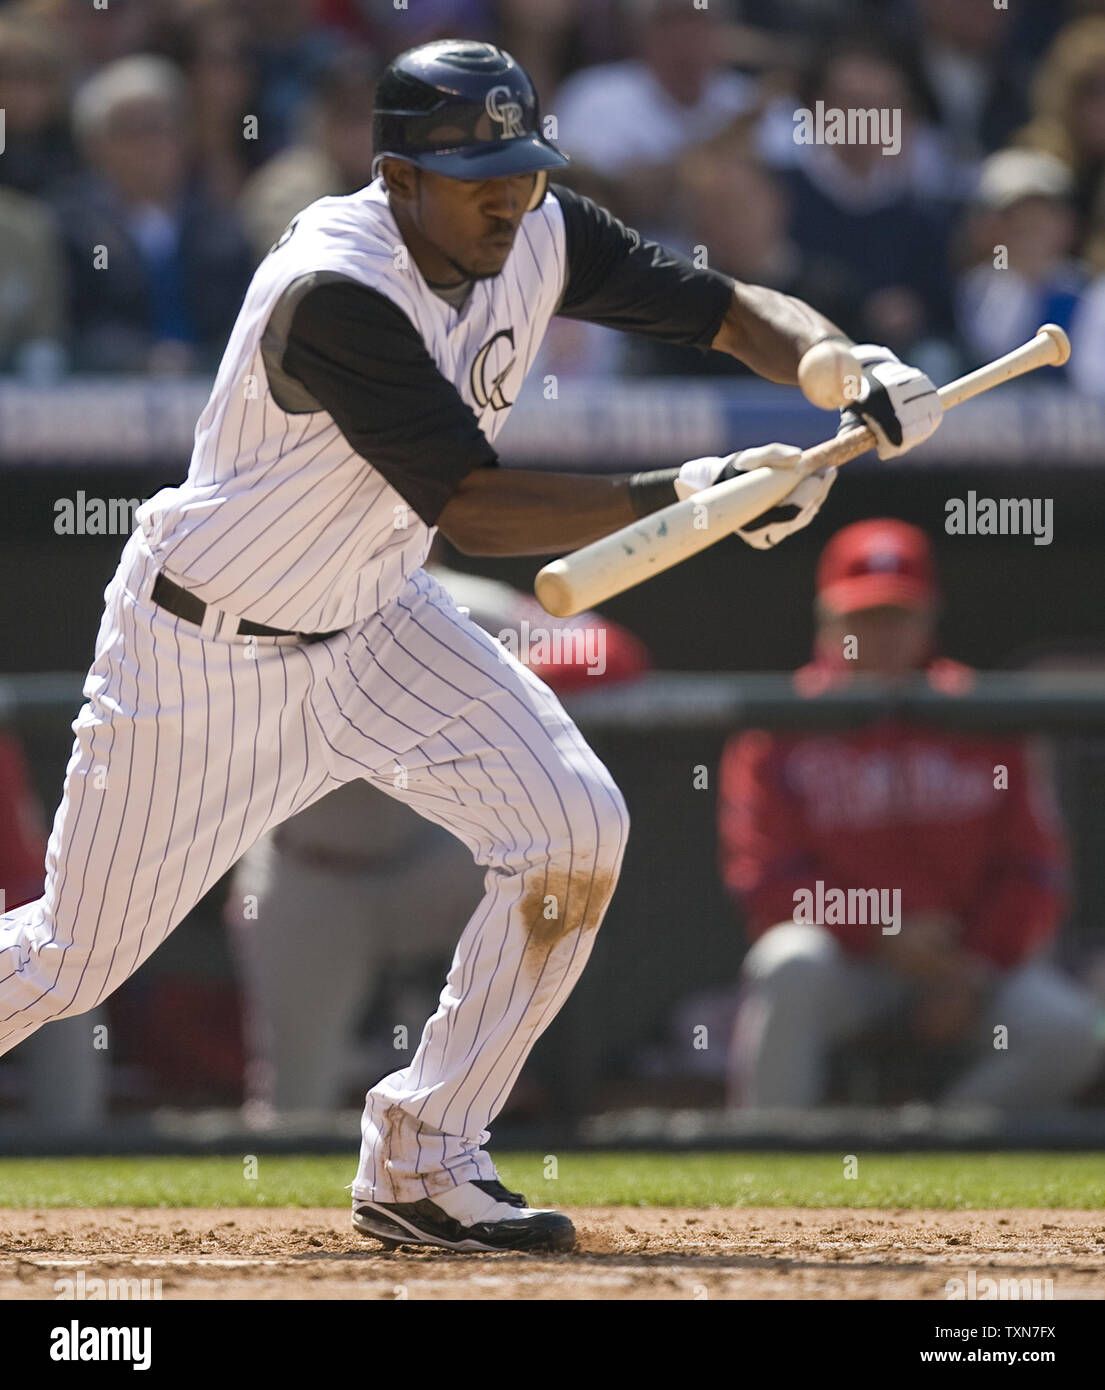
(554,590)
(1060,340)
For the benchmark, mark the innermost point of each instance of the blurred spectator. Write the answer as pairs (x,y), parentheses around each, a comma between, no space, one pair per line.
(976,86)
(860,71)
(332,156)
(289,48)
(630,122)
(98,34)
(1025,216)
(963,826)
(213,48)
(1068,110)
(869,225)
(552,38)
(33,96)
(737,215)
(540,34)
(32,273)
(157,270)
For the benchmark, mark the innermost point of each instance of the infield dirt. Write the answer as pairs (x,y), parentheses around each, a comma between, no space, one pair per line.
(624,1252)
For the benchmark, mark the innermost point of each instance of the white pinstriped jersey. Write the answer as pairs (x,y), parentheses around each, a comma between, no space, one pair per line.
(280,519)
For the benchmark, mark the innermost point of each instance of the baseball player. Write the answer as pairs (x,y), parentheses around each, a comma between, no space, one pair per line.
(270,632)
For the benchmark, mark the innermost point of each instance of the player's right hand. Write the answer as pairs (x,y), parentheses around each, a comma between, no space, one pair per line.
(897,403)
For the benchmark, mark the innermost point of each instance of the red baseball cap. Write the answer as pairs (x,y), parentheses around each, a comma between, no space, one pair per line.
(873,564)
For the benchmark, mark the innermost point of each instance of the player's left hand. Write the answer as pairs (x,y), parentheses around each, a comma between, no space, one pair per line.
(797,509)
(897,403)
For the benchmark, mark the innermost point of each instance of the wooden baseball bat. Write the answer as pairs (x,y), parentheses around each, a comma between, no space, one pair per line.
(636,552)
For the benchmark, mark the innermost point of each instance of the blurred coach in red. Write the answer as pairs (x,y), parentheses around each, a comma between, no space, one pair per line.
(959,833)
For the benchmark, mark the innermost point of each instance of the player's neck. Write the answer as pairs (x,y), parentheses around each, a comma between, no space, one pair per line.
(455,295)
(436,268)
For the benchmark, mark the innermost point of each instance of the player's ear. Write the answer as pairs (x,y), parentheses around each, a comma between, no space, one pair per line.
(399,177)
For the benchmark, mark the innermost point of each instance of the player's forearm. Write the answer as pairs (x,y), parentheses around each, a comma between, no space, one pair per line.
(770,331)
(501,511)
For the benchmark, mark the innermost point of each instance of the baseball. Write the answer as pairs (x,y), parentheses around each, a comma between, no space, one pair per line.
(829,375)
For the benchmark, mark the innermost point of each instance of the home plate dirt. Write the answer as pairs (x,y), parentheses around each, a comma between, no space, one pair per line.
(625,1252)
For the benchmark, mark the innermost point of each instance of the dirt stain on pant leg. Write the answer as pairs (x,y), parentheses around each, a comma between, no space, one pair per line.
(555,905)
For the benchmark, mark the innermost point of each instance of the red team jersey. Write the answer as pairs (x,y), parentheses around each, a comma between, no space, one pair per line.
(895,805)
(22,837)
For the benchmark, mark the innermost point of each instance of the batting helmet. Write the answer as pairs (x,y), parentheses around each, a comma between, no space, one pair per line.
(463,109)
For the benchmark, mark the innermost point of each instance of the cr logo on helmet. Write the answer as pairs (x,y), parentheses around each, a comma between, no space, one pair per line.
(504,112)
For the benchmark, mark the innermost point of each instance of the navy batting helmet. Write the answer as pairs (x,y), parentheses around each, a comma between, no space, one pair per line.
(463,109)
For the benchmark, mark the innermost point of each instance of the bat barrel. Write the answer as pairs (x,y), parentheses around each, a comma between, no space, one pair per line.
(659,541)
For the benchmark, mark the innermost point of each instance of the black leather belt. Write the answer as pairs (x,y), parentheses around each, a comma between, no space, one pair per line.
(184,605)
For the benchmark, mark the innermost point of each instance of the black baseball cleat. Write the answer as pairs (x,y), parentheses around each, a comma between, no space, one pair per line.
(474,1216)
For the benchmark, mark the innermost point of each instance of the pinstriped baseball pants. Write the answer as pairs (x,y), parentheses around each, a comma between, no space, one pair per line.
(189,747)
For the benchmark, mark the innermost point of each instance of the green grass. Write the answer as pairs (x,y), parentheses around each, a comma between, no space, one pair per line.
(586,1179)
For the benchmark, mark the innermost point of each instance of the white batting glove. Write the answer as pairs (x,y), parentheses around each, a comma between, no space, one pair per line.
(796,510)
(897,403)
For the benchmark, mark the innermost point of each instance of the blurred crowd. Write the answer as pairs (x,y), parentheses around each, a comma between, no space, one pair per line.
(153,151)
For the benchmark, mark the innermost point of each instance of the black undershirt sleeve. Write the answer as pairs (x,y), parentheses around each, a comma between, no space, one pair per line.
(618,279)
(361,359)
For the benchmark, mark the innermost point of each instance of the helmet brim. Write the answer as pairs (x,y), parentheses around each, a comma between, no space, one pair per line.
(528,154)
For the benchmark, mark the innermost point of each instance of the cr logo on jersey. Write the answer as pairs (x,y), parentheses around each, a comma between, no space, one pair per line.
(504,112)
(490,368)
